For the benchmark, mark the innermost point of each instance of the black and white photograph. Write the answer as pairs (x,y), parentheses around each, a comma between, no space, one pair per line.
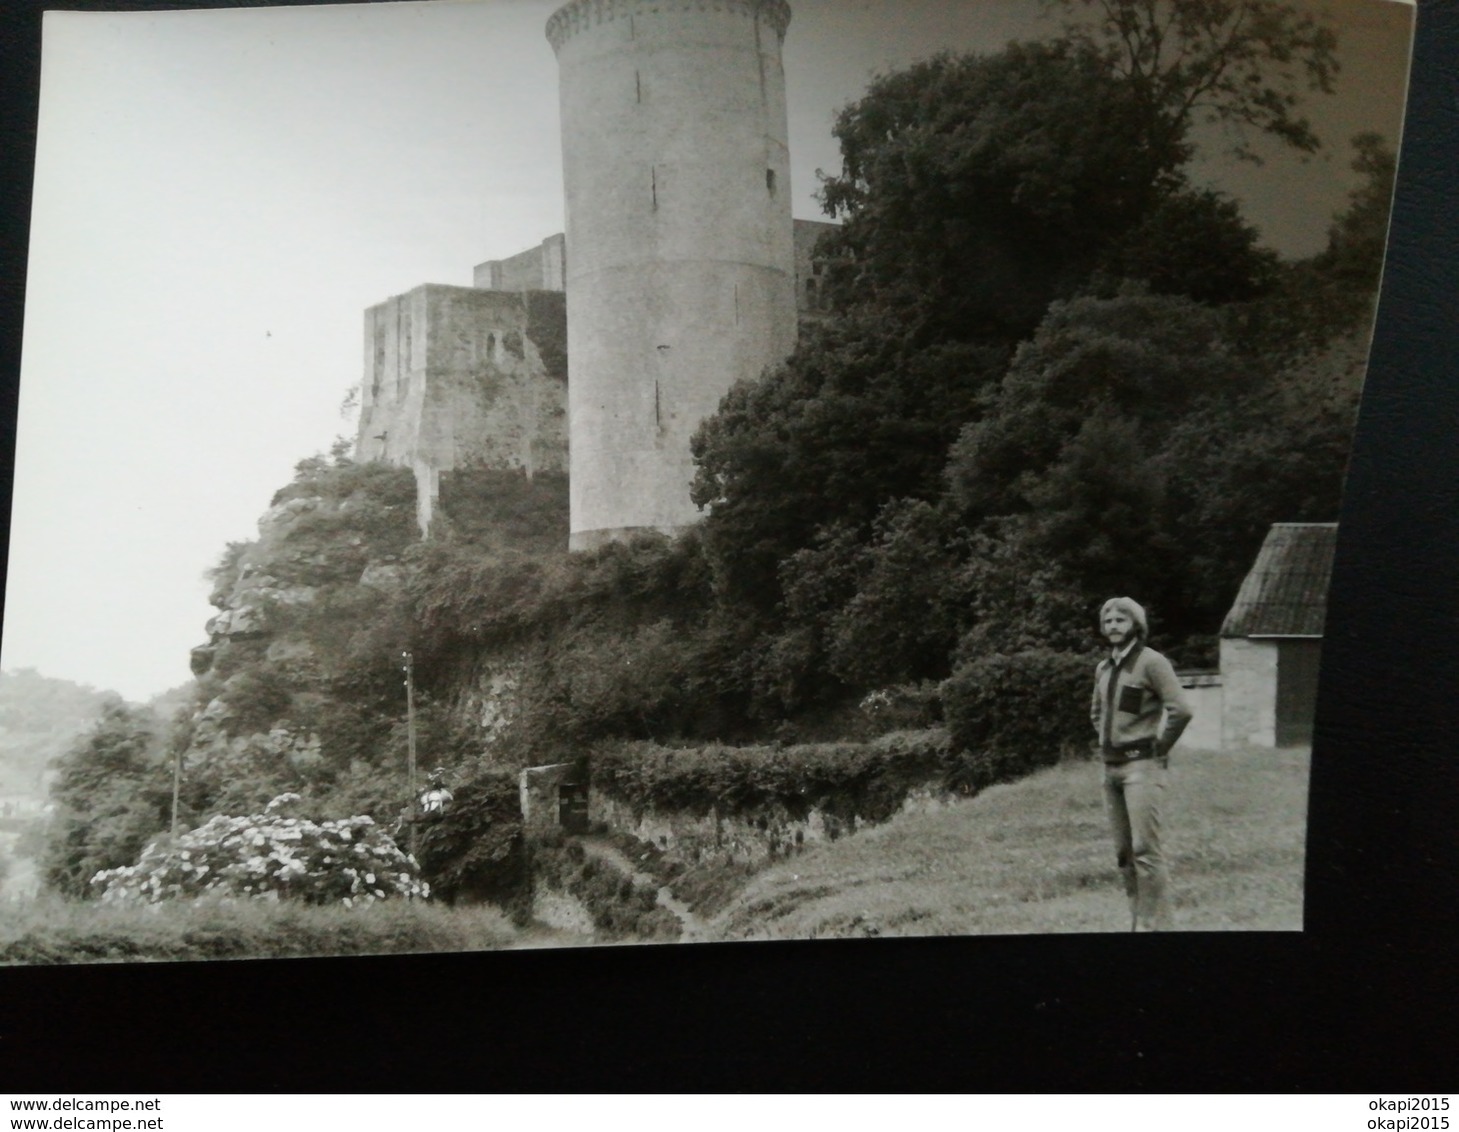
(519,475)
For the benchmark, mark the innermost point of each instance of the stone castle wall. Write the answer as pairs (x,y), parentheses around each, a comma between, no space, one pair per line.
(543,268)
(728,838)
(809,297)
(462,377)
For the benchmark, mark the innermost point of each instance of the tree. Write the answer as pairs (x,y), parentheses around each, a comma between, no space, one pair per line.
(1146,359)
(859,416)
(1073,460)
(1332,294)
(901,622)
(1239,63)
(974,190)
(1194,243)
(1358,236)
(988,201)
(113,794)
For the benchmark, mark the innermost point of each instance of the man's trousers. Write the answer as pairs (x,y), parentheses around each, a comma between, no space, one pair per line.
(1132,794)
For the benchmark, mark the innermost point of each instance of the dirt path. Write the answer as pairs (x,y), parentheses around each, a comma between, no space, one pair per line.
(692,929)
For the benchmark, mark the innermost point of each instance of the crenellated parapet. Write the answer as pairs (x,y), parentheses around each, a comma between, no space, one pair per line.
(580,15)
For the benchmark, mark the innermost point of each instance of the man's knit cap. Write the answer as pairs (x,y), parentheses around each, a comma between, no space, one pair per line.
(1132,608)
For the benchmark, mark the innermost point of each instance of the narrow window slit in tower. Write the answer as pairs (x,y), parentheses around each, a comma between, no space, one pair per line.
(658,419)
(770,180)
(653,184)
(637,86)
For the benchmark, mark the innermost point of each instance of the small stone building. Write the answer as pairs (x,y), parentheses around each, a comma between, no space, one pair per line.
(1271,640)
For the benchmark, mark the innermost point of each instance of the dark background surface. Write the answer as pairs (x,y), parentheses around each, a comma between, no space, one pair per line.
(1366,999)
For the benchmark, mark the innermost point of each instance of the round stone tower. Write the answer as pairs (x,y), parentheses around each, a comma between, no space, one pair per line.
(680,260)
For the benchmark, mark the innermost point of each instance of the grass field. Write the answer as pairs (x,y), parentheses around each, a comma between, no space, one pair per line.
(55,931)
(1034,856)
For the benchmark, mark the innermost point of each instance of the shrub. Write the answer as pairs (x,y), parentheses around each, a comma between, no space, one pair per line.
(475,849)
(903,706)
(269,856)
(1011,714)
(869,780)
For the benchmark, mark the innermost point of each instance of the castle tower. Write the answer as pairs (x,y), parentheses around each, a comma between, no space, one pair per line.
(680,261)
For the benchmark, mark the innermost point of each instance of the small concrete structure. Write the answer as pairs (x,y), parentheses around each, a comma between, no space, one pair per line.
(553,797)
(1271,640)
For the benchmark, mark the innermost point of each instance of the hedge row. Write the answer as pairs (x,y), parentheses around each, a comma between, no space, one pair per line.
(870,779)
(1007,715)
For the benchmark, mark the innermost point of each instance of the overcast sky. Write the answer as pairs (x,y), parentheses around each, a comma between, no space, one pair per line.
(220,194)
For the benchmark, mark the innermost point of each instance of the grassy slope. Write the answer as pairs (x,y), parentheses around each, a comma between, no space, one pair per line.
(1034,856)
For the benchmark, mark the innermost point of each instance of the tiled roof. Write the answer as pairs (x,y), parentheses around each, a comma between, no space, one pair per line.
(1285,594)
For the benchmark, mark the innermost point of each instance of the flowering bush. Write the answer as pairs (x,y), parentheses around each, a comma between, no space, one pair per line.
(270,856)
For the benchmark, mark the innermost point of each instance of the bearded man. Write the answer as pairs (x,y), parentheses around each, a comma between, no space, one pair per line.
(1138,712)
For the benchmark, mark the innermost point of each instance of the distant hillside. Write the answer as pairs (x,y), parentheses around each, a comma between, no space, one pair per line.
(40,717)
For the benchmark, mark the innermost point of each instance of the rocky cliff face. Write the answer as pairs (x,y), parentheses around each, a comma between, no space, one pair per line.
(300,683)
(298,609)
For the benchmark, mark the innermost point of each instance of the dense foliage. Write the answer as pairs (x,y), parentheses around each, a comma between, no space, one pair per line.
(40,719)
(112,794)
(1054,368)
(1017,712)
(473,850)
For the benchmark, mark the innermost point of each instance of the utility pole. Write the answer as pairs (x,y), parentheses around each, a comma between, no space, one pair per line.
(176,787)
(410,744)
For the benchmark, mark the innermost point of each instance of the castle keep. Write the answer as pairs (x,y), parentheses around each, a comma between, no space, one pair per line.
(681,268)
